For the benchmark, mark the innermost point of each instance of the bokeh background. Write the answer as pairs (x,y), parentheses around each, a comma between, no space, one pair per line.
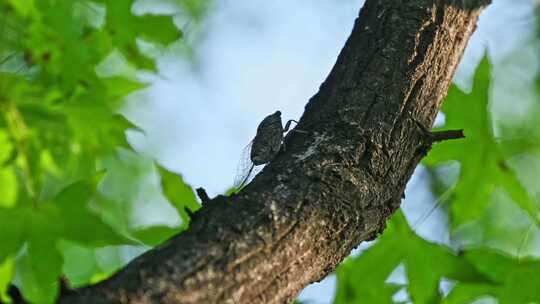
(205,93)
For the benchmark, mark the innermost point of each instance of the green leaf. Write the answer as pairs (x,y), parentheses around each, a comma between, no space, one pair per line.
(23,6)
(40,267)
(363,279)
(79,223)
(352,287)
(483,162)
(6,147)
(155,235)
(92,13)
(126,28)
(9,186)
(467,293)
(39,271)
(125,182)
(12,233)
(96,126)
(7,271)
(126,171)
(517,279)
(119,87)
(179,194)
(86,265)
(80,263)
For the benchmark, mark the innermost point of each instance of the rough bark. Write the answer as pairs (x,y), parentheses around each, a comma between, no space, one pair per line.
(332,188)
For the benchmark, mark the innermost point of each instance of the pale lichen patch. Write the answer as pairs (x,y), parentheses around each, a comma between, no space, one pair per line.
(312,149)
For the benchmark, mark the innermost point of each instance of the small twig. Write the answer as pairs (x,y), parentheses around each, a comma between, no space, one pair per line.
(437,136)
(203,195)
(188,212)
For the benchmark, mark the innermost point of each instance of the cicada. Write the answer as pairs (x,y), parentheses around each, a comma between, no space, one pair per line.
(263,148)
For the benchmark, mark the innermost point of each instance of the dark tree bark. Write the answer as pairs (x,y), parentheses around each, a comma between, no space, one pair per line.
(332,188)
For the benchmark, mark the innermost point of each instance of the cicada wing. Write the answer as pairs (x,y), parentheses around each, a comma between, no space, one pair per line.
(245,167)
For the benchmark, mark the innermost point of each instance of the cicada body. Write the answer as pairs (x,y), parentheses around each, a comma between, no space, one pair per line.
(267,140)
(263,148)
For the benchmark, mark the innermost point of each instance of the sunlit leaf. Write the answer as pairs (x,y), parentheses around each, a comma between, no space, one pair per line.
(6,147)
(516,280)
(364,278)
(12,233)
(22,6)
(483,164)
(178,193)
(467,293)
(39,268)
(39,271)
(9,186)
(7,270)
(118,87)
(124,29)
(155,235)
(80,263)
(79,223)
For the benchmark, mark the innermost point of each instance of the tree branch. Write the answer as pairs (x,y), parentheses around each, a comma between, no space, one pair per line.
(331,189)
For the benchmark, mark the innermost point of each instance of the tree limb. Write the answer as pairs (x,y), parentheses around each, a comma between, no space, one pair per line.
(331,189)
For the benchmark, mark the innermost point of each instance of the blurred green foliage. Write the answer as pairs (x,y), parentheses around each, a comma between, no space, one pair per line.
(493,213)
(68,178)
